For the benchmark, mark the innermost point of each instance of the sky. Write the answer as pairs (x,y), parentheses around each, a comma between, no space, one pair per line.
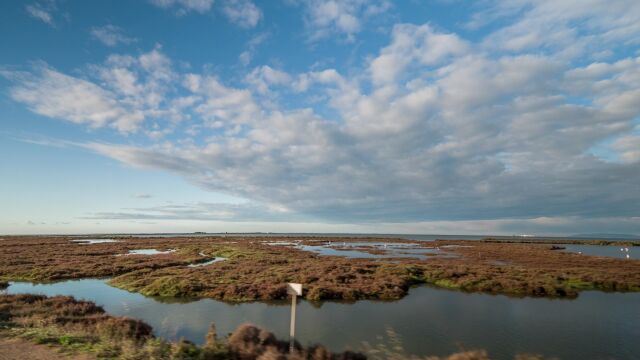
(369,116)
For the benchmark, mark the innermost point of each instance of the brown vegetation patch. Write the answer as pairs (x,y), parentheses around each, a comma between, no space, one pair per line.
(32,311)
(255,270)
(527,240)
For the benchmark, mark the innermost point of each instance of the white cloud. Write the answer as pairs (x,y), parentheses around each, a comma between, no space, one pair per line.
(628,148)
(185,6)
(200,211)
(121,93)
(243,13)
(111,35)
(568,27)
(345,17)
(53,94)
(222,106)
(261,78)
(412,44)
(247,55)
(461,142)
(42,11)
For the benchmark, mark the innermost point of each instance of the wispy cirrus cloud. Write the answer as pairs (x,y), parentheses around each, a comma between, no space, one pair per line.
(568,28)
(247,55)
(184,6)
(111,35)
(199,211)
(45,11)
(243,13)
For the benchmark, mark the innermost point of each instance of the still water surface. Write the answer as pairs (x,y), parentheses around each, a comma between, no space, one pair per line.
(149,252)
(429,321)
(391,250)
(618,252)
(93,241)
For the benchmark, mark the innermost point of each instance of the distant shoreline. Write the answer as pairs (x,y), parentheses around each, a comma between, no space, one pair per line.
(587,237)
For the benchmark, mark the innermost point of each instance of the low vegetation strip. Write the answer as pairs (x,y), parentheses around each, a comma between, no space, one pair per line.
(255,269)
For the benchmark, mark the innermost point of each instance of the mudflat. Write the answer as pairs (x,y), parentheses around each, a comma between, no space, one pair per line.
(12,348)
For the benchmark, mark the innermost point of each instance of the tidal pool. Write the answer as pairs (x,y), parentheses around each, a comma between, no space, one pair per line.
(148,252)
(356,250)
(596,325)
(209,262)
(94,241)
(614,251)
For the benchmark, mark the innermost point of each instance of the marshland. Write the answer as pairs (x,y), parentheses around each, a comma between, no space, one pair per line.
(356,291)
(213,179)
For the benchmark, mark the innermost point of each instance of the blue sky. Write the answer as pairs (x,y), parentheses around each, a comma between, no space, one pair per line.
(442,116)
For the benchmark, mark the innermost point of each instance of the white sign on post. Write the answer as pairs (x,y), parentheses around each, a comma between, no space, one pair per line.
(294,290)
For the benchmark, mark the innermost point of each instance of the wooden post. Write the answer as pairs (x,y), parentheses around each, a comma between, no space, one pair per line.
(294,290)
(292,327)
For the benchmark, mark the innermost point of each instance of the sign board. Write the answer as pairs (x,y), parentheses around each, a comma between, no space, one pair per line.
(294,289)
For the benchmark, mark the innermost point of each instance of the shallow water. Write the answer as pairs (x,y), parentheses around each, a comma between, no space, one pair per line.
(359,254)
(429,321)
(607,251)
(212,261)
(149,252)
(93,241)
(392,250)
(282,243)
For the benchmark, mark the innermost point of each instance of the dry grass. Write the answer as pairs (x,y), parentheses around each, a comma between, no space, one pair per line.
(257,271)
